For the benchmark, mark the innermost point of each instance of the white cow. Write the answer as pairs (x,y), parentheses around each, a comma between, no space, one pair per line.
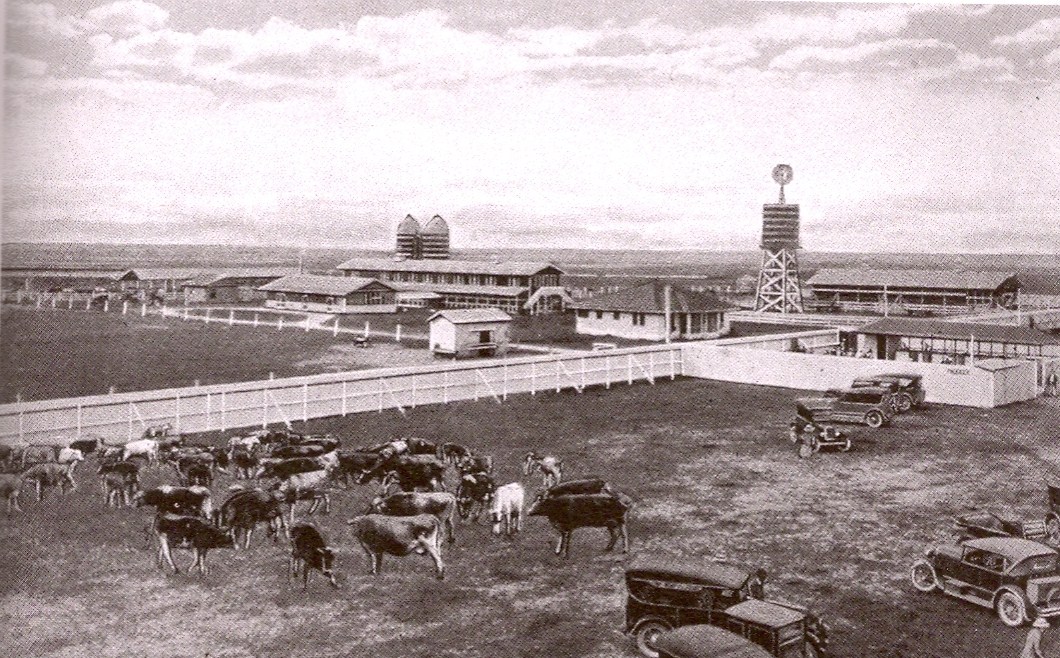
(507,506)
(248,443)
(70,457)
(143,448)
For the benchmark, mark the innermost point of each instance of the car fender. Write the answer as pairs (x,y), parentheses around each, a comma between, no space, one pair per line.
(648,618)
(1015,589)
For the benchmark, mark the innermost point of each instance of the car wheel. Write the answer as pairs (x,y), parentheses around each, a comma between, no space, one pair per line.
(845,447)
(874,419)
(647,634)
(1010,609)
(1052,530)
(905,403)
(923,576)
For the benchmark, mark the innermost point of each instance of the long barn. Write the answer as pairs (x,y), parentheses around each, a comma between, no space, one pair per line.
(916,292)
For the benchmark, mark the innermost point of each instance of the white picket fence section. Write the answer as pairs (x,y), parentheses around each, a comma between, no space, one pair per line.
(226,407)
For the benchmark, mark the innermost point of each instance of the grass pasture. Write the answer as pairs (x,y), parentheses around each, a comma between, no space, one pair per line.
(713,475)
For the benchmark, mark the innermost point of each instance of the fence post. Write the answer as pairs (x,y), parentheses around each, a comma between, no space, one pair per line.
(207,412)
(18,297)
(106,305)
(629,362)
(607,372)
(125,307)
(79,419)
(279,323)
(335,329)
(651,363)
(397,333)
(54,300)
(305,401)
(143,311)
(673,369)
(445,387)
(88,304)
(255,319)
(207,318)
(367,328)
(185,313)
(177,415)
(583,373)
(20,425)
(231,318)
(533,378)
(504,393)
(414,391)
(307,323)
(264,408)
(224,410)
(343,397)
(130,414)
(70,304)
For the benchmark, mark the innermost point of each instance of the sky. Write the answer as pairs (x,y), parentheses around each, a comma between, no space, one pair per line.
(633,124)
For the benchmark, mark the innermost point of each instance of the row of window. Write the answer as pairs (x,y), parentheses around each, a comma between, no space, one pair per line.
(370,298)
(508,305)
(982,348)
(695,324)
(463,279)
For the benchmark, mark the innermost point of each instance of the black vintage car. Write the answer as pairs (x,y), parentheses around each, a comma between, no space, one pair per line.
(666,593)
(979,523)
(908,388)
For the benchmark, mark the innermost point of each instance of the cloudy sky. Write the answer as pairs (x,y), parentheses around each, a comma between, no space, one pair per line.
(627,124)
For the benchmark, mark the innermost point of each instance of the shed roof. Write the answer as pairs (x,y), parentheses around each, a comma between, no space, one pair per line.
(471,315)
(702,640)
(317,284)
(650,297)
(765,613)
(114,275)
(925,279)
(217,277)
(509,268)
(168,273)
(928,328)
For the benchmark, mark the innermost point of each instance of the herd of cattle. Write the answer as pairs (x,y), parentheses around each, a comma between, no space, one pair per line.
(412,512)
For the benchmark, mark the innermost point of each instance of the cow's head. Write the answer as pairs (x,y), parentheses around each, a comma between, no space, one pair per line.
(324,558)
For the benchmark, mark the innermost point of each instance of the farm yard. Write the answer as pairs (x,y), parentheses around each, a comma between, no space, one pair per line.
(713,475)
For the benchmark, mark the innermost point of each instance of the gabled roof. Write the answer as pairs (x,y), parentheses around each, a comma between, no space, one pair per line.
(931,279)
(217,276)
(928,328)
(435,226)
(167,273)
(650,297)
(503,268)
(317,284)
(471,315)
(408,226)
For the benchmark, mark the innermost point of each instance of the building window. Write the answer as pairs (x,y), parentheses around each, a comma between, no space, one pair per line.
(582,313)
(616,315)
(599,315)
(375,297)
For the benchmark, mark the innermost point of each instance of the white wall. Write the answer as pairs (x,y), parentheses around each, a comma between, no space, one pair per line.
(654,328)
(961,385)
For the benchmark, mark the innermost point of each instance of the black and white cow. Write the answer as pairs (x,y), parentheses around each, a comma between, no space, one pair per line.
(245,509)
(174,531)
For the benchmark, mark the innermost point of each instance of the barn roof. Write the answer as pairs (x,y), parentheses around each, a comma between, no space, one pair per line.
(472,315)
(502,268)
(925,279)
(650,297)
(217,277)
(317,284)
(927,328)
(168,273)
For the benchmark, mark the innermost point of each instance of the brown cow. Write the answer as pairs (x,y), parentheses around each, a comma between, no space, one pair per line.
(49,475)
(400,536)
(10,488)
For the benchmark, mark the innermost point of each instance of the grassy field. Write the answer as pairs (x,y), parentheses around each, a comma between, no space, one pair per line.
(713,475)
(58,353)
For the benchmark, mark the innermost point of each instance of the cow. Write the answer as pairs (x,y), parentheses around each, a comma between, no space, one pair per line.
(251,443)
(245,509)
(70,457)
(10,489)
(49,475)
(118,490)
(410,473)
(175,531)
(419,446)
(327,444)
(7,453)
(438,504)
(310,550)
(567,513)
(354,463)
(289,452)
(88,445)
(196,468)
(245,465)
(551,468)
(181,501)
(474,489)
(285,468)
(38,454)
(380,535)
(147,448)
(573,487)
(451,453)
(198,474)
(157,431)
(507,507)
(292,494)
(475,464)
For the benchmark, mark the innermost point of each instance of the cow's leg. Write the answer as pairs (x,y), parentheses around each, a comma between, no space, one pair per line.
(450,526)
(167,552)
(430,545)
(40,490)
(327,503)
(566,542)
(305,575)
(313,506)
(625,536)
(613,531)
(246,540)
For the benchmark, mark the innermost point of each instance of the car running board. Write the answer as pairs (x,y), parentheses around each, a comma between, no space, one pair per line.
(957,589)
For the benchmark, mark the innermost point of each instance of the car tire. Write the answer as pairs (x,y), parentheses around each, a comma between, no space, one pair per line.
(846,446)
(923,576)
(905,403)
(1011,609)
(646,634)
(874,419)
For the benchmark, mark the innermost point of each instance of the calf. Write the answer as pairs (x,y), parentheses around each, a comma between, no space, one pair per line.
(199,474)
(567,513)
(285,468)
(192,532)
(551,468)
(245,509)
(248,443)
(120,482)
(179,501)
(382,535)
(195,468)
(354,463)
(474,489)
(289,452)
(10,488)
(49,475)
(291,494)
(440,505)
(70,458)
(507,507)
(410,473)
(310,550)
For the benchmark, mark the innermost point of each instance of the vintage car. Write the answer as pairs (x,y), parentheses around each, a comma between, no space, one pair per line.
(1015,577)
(980,523)
(666,593)
(1052,517)
(705,641)
(869,406)
(783,630)
(909,388)
(812,437)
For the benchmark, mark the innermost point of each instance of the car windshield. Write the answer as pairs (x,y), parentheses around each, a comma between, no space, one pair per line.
(1036,566)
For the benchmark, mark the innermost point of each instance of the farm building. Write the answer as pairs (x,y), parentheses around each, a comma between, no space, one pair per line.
(416,299)
(1039,291)
(939,341)
(55,280)
(514,287)
(913,292)
(164,279)
(330,294)
(230,286)
(469,332)
(639,312)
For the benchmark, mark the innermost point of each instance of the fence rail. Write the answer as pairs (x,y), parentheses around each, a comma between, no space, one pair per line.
(224,407)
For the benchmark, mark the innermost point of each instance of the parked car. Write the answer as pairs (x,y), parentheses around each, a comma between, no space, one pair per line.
(782,630)
(705,641)
(1052,517)
(909,393)
(1015,577)
(664,593)
(869,406)
(980,523)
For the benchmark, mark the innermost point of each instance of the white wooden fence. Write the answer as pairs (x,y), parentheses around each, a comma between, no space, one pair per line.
(260,403)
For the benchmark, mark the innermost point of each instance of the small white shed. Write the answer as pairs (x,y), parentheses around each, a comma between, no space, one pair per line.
(469,332)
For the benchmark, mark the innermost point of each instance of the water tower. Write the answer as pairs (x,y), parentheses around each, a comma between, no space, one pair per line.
(779,288)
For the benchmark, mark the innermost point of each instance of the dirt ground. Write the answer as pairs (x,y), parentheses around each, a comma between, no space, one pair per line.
(713,475)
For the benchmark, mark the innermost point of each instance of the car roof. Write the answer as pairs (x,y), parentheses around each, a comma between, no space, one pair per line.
(765,613)
(697,569)
(705,641)
(1014,548)
(902,375)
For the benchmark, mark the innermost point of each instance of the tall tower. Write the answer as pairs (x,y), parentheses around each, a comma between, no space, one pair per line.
(434,239)
(408,238)
(779,288)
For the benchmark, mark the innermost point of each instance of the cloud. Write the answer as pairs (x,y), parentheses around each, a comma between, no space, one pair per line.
(1044,31)
(17,66)
(127,17)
